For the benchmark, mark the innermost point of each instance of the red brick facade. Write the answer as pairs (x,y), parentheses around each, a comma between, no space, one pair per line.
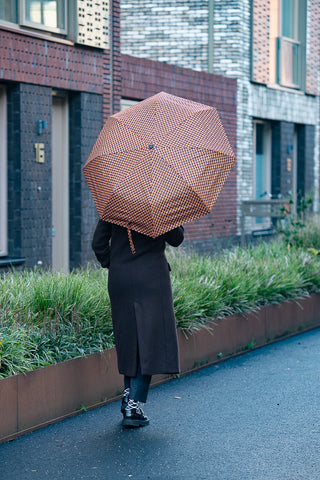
(142,78)
(29,59)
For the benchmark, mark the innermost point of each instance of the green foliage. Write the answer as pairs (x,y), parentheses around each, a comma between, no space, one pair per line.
(239,280)
(48,317)
(293,224)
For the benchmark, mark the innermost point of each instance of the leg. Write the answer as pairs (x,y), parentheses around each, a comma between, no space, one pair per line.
(133,415)
(139,386)
(126,393)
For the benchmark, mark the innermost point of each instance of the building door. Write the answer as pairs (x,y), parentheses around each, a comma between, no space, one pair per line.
(60,184)
(3,174)
(262,167)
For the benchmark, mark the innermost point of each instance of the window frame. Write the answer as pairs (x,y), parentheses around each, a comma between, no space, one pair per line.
(39,26)
(3,173)
(11,22)
(298,41)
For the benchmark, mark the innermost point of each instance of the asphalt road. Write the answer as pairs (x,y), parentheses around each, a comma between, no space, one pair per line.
(253,417)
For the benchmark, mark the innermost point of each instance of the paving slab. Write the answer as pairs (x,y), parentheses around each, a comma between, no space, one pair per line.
(253,417)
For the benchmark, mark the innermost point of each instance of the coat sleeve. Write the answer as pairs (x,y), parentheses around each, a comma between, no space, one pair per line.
(175,236)
(101,243)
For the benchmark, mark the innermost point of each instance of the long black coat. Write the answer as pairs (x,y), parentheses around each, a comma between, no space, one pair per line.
(141,298)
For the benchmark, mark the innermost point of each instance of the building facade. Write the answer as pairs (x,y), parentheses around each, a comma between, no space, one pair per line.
(61,75)
(272,48)
(59,78)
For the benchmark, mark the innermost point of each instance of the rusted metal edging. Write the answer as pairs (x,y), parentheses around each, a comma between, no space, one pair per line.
(50,394)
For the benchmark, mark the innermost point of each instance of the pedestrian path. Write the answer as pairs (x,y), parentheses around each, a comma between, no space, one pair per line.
(253,417)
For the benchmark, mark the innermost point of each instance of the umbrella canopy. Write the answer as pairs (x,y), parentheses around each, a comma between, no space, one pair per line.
(159,164)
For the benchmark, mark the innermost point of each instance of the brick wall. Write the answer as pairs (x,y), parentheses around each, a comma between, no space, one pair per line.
(306,145)
(32,60)
(276,159)
(85,110)
(142,78)
(169,31)
(231,40)
(14,171)
(31,67)
(29,183)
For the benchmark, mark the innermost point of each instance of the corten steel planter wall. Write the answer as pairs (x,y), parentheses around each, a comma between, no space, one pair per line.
(47,395)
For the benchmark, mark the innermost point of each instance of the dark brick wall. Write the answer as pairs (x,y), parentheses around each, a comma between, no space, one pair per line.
(14,170)
(282,138)
(282,141)
(275,159)
(305,156)
(85,111)
(142,78)
(309,158)
(31,67)
(29,183)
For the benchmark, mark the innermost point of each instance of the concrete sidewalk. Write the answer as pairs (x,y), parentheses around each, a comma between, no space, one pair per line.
(253,417)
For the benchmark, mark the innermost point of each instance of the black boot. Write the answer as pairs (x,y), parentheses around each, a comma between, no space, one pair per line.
(125,400)
(133,416)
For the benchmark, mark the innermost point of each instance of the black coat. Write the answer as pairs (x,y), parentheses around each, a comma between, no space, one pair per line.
(141,298)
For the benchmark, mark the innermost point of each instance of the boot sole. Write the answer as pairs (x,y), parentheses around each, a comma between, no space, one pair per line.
(130,423)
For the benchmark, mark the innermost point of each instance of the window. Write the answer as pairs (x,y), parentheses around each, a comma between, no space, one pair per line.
(44,14)
(3,174)
(84,21)
(49,15)
(126,103)
(8,10)
(291,43)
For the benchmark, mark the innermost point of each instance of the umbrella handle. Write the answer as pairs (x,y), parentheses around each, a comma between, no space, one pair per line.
(133,250)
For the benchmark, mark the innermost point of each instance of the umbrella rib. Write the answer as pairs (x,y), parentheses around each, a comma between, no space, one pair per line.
(186,183)
(121,121)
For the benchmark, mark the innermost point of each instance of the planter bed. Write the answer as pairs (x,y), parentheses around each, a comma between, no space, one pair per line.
(47,395)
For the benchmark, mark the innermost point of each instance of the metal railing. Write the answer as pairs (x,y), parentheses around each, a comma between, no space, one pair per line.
(261,208)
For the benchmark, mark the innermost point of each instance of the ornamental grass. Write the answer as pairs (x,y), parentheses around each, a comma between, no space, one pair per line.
(48,317)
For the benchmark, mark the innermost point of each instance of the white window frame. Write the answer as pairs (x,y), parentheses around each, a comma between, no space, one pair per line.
(126,103)
(39,26)
(3,174)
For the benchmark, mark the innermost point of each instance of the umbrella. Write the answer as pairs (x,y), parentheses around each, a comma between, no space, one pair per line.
(159,164)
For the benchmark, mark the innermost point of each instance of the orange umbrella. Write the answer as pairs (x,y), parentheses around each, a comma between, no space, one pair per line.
(159,164)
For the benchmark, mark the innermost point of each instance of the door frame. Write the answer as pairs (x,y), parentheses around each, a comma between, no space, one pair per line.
(60,184)
(267,146)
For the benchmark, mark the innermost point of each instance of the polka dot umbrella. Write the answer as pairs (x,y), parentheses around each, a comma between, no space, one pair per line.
(159,164)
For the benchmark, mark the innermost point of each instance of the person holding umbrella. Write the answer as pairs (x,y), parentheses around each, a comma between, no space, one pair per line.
(154,167)
(142,309)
